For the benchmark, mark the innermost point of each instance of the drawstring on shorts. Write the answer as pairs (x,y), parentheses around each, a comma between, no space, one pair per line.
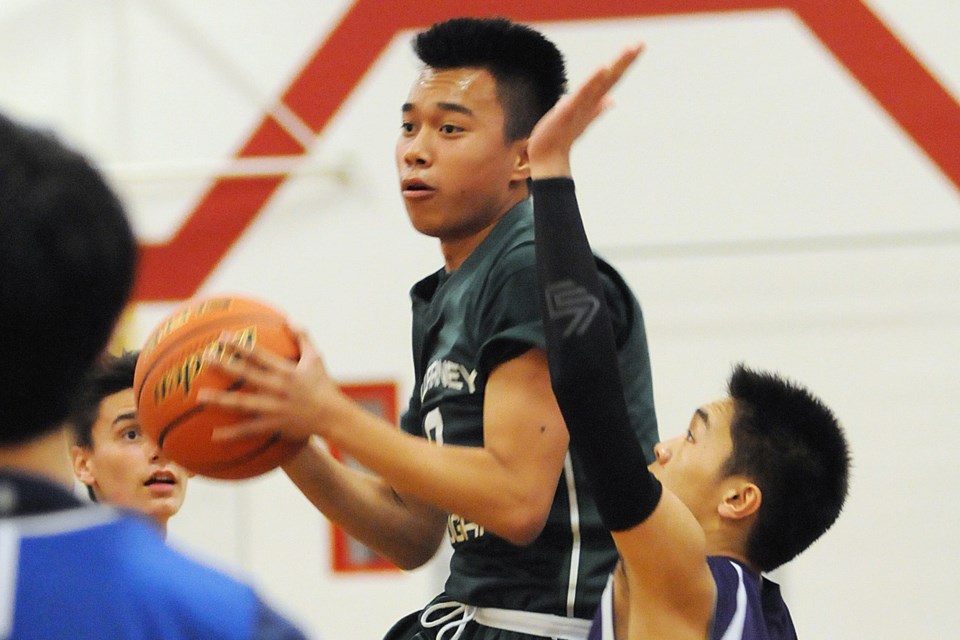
(454,621)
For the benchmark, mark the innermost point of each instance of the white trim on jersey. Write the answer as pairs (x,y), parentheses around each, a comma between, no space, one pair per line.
(9,564)
(735,628)
(606,611)
(575,530)
(59,522)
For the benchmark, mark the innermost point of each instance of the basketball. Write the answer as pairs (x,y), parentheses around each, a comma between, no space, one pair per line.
(171,368)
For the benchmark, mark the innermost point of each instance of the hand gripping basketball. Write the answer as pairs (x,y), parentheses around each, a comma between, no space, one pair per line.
(174,364)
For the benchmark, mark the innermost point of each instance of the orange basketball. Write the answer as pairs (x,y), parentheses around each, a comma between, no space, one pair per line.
(171,369)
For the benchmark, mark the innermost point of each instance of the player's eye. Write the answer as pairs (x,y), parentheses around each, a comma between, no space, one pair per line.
(133,433)
(690,436)
(406,127)
(450,128)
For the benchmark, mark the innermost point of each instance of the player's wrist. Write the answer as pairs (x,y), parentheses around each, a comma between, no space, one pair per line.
(558,167)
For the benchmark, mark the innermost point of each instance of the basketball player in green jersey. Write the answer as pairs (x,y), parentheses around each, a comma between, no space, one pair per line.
(482,451)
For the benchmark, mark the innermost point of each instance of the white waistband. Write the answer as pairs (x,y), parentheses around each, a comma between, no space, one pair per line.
(537,624)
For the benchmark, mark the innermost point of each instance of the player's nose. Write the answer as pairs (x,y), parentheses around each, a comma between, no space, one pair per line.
(416,150)
(156,453)
(661,452)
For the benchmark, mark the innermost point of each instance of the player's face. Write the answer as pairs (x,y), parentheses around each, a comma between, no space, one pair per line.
(125,467)
(691,465)
(458,174)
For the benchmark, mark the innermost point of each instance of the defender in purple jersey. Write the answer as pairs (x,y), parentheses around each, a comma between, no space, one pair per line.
(757,476)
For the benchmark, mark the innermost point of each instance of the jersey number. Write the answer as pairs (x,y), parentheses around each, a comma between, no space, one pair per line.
(433,426)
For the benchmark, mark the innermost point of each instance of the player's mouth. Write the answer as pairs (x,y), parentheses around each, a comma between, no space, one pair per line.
(415,188)
(161,481)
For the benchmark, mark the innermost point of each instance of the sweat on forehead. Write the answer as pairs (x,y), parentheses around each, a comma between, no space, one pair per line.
(454,89)
(461,77)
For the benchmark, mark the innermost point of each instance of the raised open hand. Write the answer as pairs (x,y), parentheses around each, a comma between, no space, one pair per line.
(553,137)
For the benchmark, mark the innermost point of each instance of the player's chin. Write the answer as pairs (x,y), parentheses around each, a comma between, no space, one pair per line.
(160,494)
(656,470)
(425,222)
(166,506)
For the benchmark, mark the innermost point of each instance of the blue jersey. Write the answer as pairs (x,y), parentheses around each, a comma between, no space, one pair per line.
(93,572)
(748,607)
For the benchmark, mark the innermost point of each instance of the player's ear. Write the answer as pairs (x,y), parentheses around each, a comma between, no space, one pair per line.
(521,163)
(82,465)
(740,500)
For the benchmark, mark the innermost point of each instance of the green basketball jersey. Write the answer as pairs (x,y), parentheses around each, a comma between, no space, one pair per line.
(467,322)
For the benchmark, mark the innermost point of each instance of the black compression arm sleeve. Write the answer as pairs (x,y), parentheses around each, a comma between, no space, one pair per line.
(584,370)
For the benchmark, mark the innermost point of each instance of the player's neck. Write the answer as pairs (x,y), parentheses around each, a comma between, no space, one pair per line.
(720,545)
(456,250)
(45,456)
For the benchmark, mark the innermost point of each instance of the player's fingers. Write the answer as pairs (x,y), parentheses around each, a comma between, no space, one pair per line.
(253,404)
(249,376)
(606,77)
(243,430)
(253,369)
(624,60)
(257,426)
(263,358)
(552,138)
(307,349)
(591,99)
(310,358)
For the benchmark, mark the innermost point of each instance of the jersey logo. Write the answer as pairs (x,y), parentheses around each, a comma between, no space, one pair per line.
(447,374)
(568,299)
(460,530)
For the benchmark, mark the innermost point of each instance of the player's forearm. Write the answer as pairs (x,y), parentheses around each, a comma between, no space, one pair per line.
(366,508)
(584,369)
(499,489)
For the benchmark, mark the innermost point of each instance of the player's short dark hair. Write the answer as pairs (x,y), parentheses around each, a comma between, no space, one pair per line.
(111,374)
(528,68)
(791,445)
(67,258)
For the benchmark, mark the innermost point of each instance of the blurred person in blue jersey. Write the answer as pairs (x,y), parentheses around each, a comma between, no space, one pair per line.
(68,569)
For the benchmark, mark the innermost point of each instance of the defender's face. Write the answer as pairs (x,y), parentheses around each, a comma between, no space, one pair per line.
(458,175)
(690,465)
(125,467)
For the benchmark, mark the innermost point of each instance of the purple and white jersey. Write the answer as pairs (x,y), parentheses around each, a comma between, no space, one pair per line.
(748,607)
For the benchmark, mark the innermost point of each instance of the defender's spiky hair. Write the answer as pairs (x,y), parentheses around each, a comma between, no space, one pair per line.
(791,445)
